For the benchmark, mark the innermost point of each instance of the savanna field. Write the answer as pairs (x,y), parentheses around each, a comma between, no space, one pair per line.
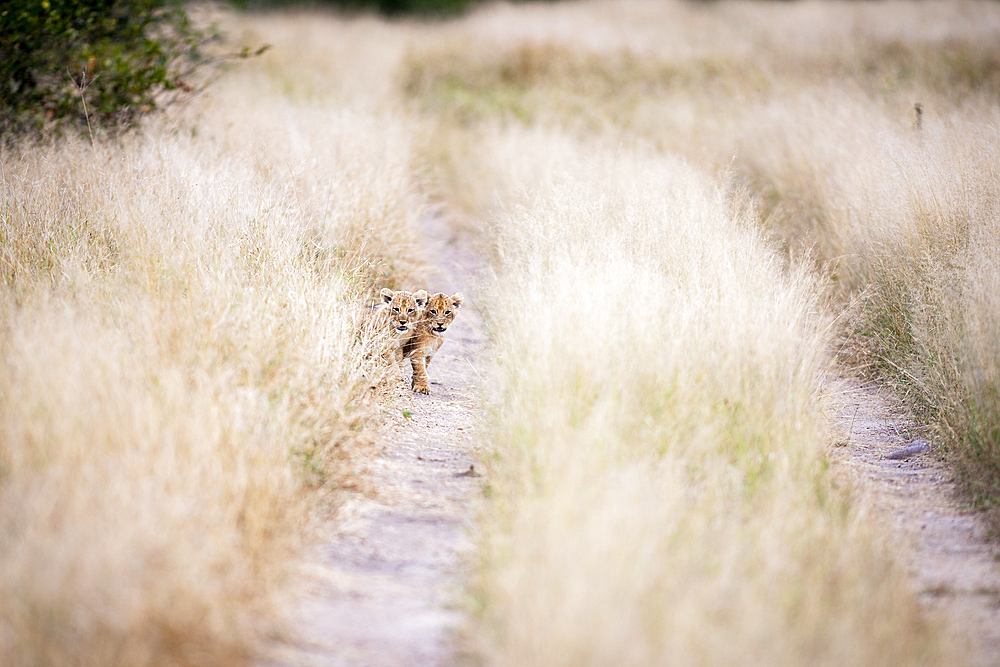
(699,219)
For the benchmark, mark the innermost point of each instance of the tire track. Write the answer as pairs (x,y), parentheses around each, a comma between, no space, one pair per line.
(385,588)
(942,542)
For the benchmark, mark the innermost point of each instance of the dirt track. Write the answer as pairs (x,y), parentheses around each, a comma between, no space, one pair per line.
(385,587)
(941,541)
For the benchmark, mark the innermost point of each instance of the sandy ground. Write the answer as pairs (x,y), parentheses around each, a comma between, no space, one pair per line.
(941,540)
(385,587)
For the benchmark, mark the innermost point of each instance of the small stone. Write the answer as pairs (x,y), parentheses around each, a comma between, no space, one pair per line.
(913,449)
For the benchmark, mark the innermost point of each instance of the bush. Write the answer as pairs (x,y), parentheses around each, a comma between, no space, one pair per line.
(76,63)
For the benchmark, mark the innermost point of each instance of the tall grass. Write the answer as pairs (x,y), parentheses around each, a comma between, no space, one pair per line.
(180,381)
(659,493)
(813,106)
(659,440)
(906,220)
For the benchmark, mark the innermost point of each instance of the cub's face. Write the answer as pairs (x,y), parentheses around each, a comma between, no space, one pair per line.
(441,310)
(404,308)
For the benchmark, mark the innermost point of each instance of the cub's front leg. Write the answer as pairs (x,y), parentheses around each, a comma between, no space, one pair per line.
(419,364)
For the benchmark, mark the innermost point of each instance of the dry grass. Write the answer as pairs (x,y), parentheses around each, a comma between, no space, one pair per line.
(180,380)
(630,514)
(906,220)
(179,372)
(659,493)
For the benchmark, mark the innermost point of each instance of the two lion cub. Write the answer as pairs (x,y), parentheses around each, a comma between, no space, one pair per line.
(418,323)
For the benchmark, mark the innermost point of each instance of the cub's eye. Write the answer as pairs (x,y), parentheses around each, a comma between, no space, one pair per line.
(396,308)
(409,310)
(447,312)
(434,312)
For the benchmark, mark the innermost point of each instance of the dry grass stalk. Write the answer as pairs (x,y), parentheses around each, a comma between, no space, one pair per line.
(180,378)
(659,492)
(811,108)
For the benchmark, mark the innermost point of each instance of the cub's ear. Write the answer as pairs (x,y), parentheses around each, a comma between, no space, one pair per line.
(421,297)
(456,300)
(387,294)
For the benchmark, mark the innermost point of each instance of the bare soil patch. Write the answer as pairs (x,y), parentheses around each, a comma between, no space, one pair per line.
(385,587)
(942,541)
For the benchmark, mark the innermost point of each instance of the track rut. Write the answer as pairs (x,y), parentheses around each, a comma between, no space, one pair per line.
(385,587)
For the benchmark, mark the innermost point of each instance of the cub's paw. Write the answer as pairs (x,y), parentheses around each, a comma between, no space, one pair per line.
(421,388)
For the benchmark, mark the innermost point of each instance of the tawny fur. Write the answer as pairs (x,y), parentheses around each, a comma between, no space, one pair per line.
(395,317)
(428,336)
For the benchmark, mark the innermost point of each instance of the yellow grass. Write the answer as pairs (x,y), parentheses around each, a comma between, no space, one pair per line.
(180,380)
(689,209)
(629,507)
(905,220)
(659,493)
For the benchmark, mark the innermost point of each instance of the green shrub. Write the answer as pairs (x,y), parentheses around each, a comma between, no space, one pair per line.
(82,63)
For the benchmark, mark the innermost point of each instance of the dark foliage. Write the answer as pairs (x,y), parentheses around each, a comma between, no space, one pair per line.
(88,63)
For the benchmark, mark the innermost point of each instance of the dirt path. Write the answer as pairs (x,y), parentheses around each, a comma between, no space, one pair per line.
(942,542)
(385,588)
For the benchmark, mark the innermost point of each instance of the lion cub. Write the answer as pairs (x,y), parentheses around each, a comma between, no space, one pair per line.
(427,336)
(397,314)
